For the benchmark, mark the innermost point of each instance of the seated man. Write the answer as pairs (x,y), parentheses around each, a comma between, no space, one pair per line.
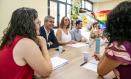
(76,33)
(48,33)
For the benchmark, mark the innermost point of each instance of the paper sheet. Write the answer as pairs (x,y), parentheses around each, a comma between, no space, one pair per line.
(93,61)
(77,45)
(91,65)
(58,62)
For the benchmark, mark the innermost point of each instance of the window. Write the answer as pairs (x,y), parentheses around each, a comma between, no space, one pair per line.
(69,1)
(62,0)
(62,11)
(88,5)
(68,11)
(53,11)
(58,9)
(83,5)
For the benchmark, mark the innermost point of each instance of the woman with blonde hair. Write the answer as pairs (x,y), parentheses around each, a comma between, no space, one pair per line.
(63,34)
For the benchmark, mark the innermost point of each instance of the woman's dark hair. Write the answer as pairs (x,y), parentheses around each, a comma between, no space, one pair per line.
(62,22)
(21,23)
(119,23)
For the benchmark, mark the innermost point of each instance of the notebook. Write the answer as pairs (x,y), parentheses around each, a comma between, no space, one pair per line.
(58,62)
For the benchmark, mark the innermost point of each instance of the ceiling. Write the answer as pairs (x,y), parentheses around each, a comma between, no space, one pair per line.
(100,0)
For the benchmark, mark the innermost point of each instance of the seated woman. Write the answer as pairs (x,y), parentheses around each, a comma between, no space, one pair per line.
(63,34)
(117,56)
(22,50)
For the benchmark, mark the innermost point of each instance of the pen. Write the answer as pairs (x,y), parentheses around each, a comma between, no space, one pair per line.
(83,63)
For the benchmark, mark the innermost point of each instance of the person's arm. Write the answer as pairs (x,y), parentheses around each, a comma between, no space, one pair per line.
(53,40)
(72,35)
(113,57)
(106,65)
(30,53)
(73,41)
(58,36)
(43,34)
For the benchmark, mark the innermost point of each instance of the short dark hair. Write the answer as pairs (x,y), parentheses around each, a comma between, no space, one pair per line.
(119,23)
(78,22)
(21,23)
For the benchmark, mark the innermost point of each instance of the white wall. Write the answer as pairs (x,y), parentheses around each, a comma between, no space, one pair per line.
(107,5)
(8,6)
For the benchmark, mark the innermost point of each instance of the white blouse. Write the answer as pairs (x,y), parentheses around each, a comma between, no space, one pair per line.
(65,37)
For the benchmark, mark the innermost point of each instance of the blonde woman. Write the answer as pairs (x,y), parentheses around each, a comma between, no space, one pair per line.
(63,34)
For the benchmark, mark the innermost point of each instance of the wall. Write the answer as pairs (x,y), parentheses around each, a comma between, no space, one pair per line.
(107,5)
(8,6)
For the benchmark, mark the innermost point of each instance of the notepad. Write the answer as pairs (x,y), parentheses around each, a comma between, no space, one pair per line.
(58,62)
(91,65)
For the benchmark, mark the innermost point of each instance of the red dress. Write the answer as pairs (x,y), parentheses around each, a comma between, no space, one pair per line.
(8,68)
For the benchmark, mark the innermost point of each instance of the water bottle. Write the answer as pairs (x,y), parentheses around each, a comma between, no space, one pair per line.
(97,48)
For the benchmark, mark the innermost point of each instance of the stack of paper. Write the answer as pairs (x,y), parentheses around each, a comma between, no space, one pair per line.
(91,65)
(58,62)
(77,45)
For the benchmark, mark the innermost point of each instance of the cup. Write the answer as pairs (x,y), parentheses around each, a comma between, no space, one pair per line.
(86,56)
(60,49)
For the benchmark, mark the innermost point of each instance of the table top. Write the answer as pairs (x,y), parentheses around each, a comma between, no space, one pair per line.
(73,70)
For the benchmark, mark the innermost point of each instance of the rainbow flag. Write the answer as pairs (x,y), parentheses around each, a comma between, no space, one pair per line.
(102,17)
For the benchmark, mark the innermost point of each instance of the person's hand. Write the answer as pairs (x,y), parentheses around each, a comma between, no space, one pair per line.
(50,43)
(41,41)
(97,56)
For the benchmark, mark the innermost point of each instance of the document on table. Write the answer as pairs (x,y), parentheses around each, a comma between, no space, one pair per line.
(91,65)
(77,45)
(58,62)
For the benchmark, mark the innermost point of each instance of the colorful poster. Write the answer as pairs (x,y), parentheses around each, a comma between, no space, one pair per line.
(87,20)
(102,17)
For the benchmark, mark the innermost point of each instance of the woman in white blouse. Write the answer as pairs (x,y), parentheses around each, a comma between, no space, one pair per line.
(63,34)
